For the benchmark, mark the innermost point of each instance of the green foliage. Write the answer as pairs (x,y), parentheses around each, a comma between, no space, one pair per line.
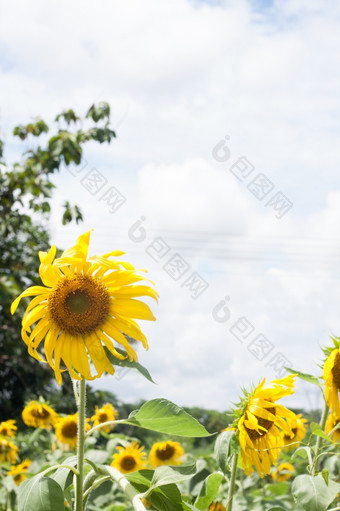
(208,491)
(164,416)
(313,493)
(40,494)
(225,447)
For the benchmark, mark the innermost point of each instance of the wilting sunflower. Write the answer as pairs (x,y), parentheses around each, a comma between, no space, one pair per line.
(106,413)
(129,459)
(8,428)
(216,506)
(85,305)
(298,433)
(8,451)
(331,375)
(18,471)
(66,430)
(39,415)
(332,421)
(260,423)
(283,472)
(166,453)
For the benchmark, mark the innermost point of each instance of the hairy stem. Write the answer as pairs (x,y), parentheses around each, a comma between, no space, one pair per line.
(80,447)
(232,483)
(319,439)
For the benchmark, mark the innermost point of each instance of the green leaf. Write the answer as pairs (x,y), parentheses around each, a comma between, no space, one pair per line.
(126,363)
(278,488)
(226,445)
(208,491)
(97,456)
(168,475)
(316,430)
(304,376)
(64,477)
(40,494)
(325,475)
(302,452)
(313,493)
(165,498)
(164,416)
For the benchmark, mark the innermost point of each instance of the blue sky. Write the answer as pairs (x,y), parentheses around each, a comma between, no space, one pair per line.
(180,77)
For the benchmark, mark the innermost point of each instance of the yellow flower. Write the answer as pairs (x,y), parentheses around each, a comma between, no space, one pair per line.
(8,451)
(283,472)
(86,304)
(298,433)
(106,413)
(216,506)
(331,375)
(8,428)
(261,422)
(39,415)
(129,459)
(332,421)
(166,453)
(18,471)
(66,430)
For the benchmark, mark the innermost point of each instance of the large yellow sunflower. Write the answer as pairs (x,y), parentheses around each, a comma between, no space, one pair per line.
(8,451)
(298,433)
(331,375)
(260,424)
(66,430)
(18,471)
(283,472)
(332,421)
(39,415)
(8,428)
(166,453)
(129,459)
(106,413)
(85,305)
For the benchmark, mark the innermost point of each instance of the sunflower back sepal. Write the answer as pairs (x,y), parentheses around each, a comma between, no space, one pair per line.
(226,445)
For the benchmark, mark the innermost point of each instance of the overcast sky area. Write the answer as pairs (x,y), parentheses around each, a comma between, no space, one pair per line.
(223,180)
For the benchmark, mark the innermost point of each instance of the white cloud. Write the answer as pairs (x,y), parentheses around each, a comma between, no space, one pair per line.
(180,76)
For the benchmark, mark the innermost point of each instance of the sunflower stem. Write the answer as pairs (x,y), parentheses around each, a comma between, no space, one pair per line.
(319,439)
(81,444)
(75,391)
(232,482)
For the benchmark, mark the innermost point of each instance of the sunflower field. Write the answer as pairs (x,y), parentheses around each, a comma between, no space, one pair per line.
(81,322)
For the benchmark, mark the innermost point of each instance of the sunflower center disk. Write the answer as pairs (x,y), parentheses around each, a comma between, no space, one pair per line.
(102,417)
(336,371)
(128,462)
(79,304)
(265,423)
(70,430)
(166,453)
(40,414)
